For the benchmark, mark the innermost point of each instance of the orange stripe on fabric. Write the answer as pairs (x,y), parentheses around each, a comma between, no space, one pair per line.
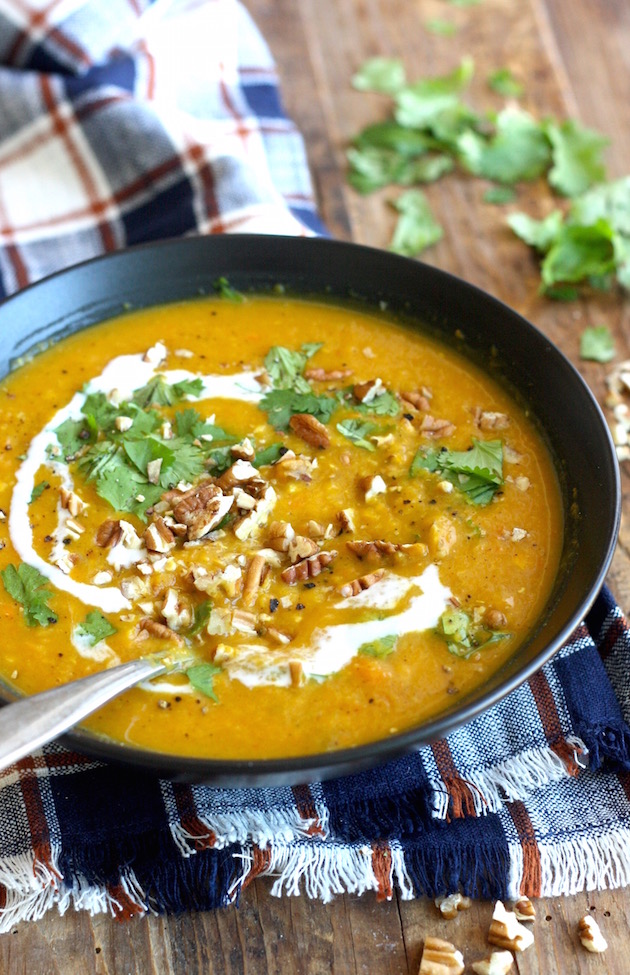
(97,207)
(261,861)
(306,809)
(202,837)
(382,867)
(37,19)
(550,720)
(35,814)
(124,906)
(460,790)
(531,880)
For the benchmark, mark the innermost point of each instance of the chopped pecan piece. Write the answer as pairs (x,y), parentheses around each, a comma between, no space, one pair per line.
(591,936)
(355,586)
(244,622)
(71,501)
(524,909)
(159,630)
(373,484)
(440,958)
(176,610)
(108,533)
(153,470)
(202,508)
(322,376)
(308,568)
(280,535)
(243,450)
(296,468)
(278,636)
(301,547)
(158,537)
(450,905)
(345,517)
(489,420)
(239,473)
(431,426)
(417,400)
(309,429)
(366,392)
(506,931)
(248,524)
(253,579)
(374,551)
(497,963)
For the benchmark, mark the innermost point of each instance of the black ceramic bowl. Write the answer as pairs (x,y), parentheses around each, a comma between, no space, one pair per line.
(517,353)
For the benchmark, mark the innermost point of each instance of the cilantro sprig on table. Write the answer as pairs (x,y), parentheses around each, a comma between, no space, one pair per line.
(431,129)
(477,472)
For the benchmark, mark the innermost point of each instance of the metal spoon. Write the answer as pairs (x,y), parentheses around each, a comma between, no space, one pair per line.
(30,722)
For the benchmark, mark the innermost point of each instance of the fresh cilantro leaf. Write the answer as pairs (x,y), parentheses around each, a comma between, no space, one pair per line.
(281,404)
(418,105)
(577,162)
(499,195)
(181,461)
(286,367)
(519,150)
(610,202)
(579,252)
(372,168)
(96,627)
(120,485)
(28,587)
(395,137)
(201,676)
(385,75)
(440,26)
(99,411)
(160,393)
(504,83)
(269,455)
(561,292)
(219,459)
(100,457)
(477,473)
(189,423)
(225,290)
(597,344)
(38,490)
(201,617)
(540,234)
(143,421)
(416,228)
(72,436)
(384,405)
(357,431)
(379,648)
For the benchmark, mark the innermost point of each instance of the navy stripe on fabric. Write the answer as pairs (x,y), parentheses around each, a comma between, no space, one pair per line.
(471,855)
(388,802)
(120,73)
(263,100)
(168,214)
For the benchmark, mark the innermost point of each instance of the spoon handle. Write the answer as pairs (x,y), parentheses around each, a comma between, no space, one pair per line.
(32,721)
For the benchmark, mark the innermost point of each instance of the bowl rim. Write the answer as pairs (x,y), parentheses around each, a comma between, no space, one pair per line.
(316,766)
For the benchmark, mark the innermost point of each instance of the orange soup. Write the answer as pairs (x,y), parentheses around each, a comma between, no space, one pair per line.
(330,523)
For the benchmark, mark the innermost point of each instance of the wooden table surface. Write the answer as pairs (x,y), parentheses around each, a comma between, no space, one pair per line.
(574,59)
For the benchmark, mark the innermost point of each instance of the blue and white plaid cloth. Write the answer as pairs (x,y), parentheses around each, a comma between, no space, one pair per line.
(123,122)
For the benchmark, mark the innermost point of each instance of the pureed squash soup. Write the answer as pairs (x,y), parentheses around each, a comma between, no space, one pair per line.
(333,522)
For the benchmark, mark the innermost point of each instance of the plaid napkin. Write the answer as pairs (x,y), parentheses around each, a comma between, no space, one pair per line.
(122,123)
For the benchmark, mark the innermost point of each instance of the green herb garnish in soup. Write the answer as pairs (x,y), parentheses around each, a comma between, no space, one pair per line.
(340,523)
